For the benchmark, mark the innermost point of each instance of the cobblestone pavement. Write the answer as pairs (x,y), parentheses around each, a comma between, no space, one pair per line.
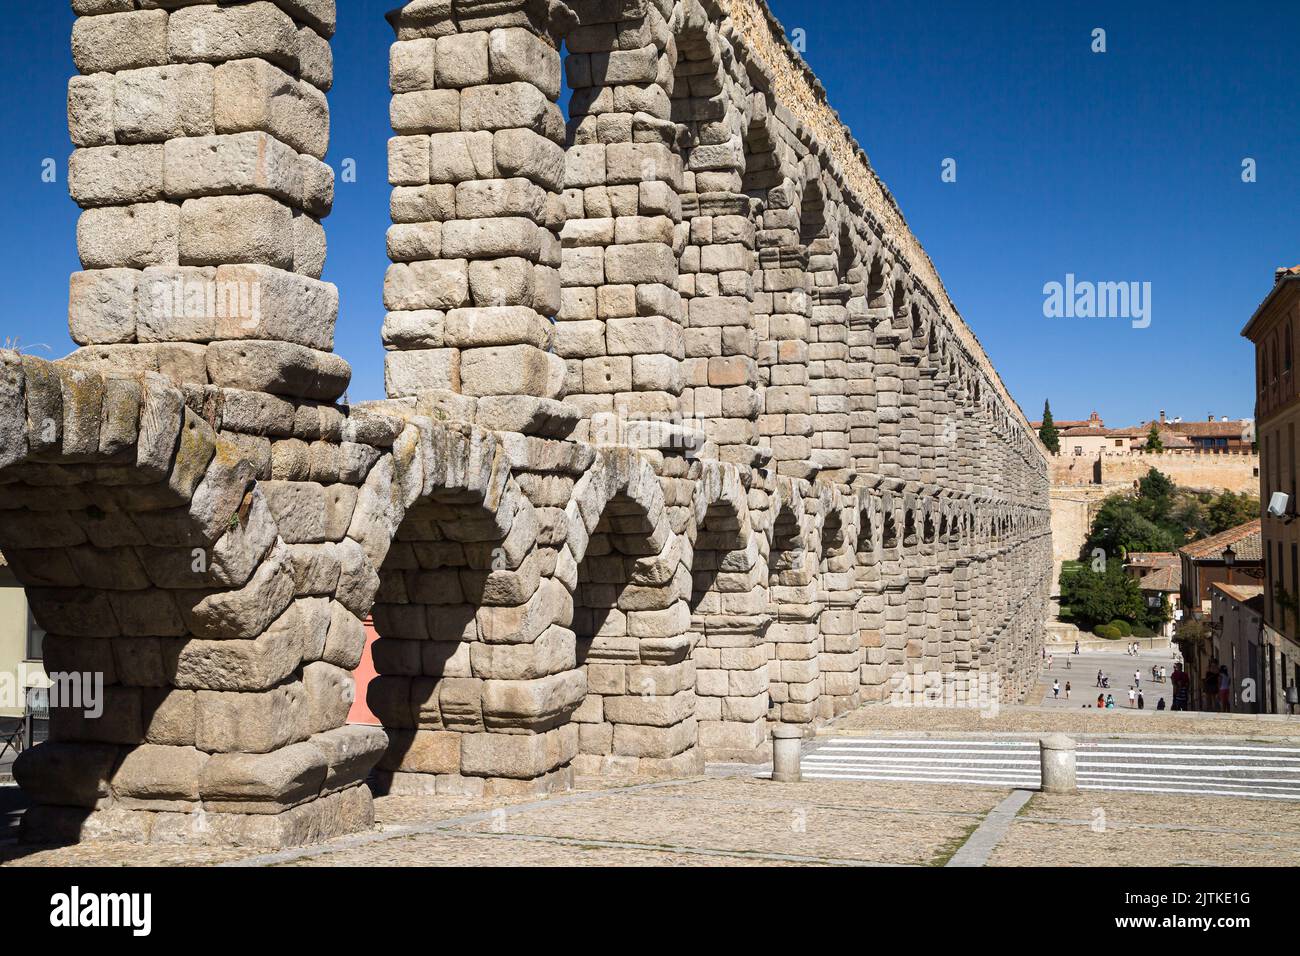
(736,820)
(1130,829)
(1016,719)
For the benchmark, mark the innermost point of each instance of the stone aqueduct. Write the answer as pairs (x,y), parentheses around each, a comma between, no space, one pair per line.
(683,439)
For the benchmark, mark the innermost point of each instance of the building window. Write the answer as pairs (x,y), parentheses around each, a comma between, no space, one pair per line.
(35,639)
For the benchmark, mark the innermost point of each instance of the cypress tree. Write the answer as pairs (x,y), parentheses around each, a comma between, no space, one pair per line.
(1049,433)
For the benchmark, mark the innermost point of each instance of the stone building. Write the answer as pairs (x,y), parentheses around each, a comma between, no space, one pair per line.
(1272,330)
(684,437)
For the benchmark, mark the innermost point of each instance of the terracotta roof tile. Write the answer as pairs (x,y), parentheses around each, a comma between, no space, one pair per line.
(1246,540)
(1153,559)
(1205,429)
(1251,595)
(1167,579)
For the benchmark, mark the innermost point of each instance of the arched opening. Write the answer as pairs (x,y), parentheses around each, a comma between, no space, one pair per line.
(632,627)
(450,565)
(876,294)
(839,655)
(899,302)
(847,254)
(729,614)
(793,635)
(182,630)
(786,556)
(889,535)
(812,220)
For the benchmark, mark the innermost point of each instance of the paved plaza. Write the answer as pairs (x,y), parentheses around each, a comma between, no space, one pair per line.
(732,816)
(739,820)
(1080,672)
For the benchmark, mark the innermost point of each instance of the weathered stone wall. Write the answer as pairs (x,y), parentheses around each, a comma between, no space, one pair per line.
(683,435)
(1073,510)
(1202,472)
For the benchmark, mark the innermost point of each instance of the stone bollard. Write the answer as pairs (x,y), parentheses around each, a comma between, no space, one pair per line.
(787,745)
(1057,755)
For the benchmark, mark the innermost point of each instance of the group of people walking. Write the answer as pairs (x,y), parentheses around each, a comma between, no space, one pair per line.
(1136,698)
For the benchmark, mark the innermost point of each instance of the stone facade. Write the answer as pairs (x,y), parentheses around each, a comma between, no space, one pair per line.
(684,438)
(1199,470)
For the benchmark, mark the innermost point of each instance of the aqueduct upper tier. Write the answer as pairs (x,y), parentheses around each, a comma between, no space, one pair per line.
(683,436)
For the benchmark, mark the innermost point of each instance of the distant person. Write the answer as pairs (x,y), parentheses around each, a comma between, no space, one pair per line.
(1160,704)
(1101,701)
(1099,677)
(1076,646)
(1292,697)
(1181,683)
(1142,704)
(1056,689)
(1132,696)
(1110,702)
(1137,679)
(1211,689)
(1067,690)
(1225,689)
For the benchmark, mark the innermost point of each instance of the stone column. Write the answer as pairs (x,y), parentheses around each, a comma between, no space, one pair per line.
(622,317)
(200,134)
(889,397)
(476,165)
(871,606)
(861,388)
(717,266)
(786,292)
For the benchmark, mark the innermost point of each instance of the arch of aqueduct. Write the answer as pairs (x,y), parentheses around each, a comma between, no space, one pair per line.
(684,437)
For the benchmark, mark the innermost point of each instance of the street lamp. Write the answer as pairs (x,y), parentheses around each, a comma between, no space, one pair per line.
(1230,561)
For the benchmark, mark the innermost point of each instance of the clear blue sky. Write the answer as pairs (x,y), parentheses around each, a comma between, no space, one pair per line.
(1122,166)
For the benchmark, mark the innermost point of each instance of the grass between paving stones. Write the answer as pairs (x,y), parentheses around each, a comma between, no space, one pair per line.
(949,849)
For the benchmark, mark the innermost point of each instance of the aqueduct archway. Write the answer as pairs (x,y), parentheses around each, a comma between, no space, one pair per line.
(683,437)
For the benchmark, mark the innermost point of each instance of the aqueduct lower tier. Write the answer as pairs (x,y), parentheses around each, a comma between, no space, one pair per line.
(683,439)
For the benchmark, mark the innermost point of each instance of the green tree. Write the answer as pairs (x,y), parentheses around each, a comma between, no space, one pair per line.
(1154,444)
(1099,597)
(1049,433)
(1156,494)
(1160,516)
(1230,510)
(1121,528)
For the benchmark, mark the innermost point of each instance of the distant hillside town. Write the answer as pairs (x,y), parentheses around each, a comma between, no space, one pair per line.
(1091,438)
